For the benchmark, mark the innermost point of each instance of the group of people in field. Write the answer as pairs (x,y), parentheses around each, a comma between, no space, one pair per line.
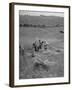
(38,44)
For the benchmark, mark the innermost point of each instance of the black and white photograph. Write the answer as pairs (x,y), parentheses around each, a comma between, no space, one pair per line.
(39,44)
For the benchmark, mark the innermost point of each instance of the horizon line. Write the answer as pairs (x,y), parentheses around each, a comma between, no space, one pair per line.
(42,15)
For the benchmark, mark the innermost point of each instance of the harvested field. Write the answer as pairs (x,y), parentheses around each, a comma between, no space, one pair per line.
(45,63)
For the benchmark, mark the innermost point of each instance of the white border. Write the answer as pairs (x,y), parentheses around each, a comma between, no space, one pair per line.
(16,45)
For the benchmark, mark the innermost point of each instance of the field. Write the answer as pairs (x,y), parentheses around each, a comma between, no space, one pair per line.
(53,57)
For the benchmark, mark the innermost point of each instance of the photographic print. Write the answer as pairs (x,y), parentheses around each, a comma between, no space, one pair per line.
(40,46)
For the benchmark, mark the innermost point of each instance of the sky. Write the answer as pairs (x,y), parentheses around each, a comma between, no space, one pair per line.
(38,13)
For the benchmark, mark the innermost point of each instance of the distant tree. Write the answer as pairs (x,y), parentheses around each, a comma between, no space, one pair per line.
(61,31)
(20,25)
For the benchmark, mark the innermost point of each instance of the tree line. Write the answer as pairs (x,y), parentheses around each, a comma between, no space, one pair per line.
(41,26)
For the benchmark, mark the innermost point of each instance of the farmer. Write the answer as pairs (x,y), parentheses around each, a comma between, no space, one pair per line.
(33,49)
(40,44)
(44,45)
(36,45)
(21,50)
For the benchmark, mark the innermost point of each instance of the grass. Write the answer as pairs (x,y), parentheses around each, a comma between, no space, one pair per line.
(45,64)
